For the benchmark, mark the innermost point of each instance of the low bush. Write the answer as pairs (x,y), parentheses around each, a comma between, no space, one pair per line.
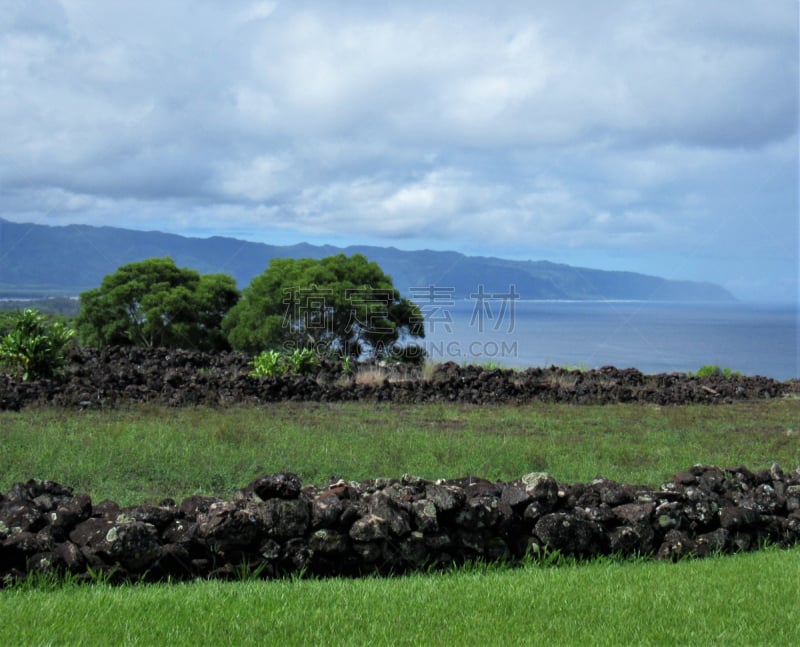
(34,347)
(713,369)
(271,363)
(302,361)
(268,363)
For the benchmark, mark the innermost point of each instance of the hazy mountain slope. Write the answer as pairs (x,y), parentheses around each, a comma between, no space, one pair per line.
(40,259)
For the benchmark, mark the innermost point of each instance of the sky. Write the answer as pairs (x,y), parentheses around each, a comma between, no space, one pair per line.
(652,136)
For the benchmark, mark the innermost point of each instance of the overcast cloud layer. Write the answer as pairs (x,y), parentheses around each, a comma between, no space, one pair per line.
(659,137)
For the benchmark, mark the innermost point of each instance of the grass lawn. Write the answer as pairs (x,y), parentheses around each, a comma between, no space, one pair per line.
(749,599)
(147,453)
(144,454)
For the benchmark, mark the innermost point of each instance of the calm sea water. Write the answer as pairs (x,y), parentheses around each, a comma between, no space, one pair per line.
(653,337)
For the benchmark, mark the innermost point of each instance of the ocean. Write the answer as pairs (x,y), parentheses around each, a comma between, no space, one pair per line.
(650,336)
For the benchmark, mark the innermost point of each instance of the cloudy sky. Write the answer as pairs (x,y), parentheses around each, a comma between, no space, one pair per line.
(654,136)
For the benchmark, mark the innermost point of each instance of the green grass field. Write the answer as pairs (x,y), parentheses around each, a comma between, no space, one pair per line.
(147,453)
(144,454)
(749,599)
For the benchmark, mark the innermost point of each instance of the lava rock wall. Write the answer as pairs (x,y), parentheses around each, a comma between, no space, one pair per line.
(275,526)
(114,376)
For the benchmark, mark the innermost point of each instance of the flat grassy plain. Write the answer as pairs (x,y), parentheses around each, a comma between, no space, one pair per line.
(144,454)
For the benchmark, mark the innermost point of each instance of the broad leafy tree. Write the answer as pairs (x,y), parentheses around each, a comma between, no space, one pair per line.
(155,303)
(341,304)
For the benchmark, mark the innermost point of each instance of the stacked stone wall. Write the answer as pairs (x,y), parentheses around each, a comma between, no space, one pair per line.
(116,376)
(275,526)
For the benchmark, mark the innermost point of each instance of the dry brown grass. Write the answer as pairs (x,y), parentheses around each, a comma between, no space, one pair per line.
(379,374)
(372,375)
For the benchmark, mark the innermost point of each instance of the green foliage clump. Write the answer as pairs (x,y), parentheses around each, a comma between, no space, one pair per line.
(713,369)
(34,347)
(271,363)
(154,303)
(302,361)
(348,367)
(337,304)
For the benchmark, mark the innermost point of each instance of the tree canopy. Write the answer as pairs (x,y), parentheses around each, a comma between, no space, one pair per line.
(339,303)
(155,303)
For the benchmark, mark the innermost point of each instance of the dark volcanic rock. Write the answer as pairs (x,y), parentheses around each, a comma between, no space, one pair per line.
(566,533)
(115,375)
(284,518)
(133,545)
(634,513)
(197,504)
(676,545)
(326,510)
(635,539)
(369,528)
(392,525)
(541,487)
(445,498)
(226,527)
(70,513)
(737,517)
(282,486)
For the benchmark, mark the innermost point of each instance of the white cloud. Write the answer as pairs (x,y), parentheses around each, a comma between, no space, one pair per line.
(258,180)
(577,125)
(257,11)
(437,195)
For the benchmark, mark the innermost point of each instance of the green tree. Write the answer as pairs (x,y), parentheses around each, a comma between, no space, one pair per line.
(155,303)
(34,346)
(342,304)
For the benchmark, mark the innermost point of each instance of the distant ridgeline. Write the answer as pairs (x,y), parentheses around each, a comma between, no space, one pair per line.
(41,260)
(66,306)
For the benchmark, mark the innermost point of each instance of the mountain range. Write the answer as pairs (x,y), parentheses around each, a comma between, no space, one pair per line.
(41,260)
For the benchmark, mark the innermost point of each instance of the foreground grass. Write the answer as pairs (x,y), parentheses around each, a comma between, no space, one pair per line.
(144,454)
(748,599)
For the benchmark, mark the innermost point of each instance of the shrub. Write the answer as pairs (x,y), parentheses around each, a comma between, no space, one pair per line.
(347,364)
(269,363)
(302,361)
(34,347)
(713,369)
